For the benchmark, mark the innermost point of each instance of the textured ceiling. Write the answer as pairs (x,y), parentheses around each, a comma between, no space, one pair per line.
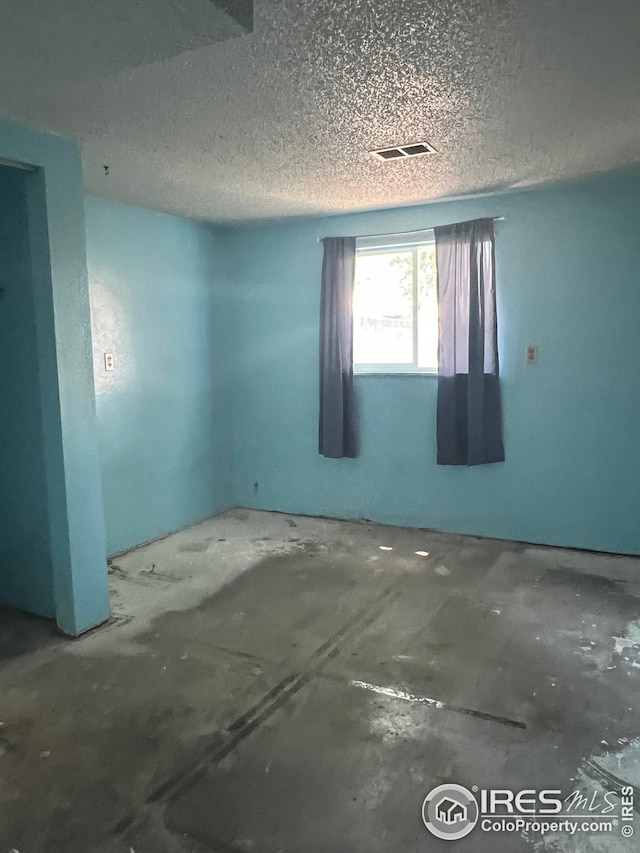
(278,121)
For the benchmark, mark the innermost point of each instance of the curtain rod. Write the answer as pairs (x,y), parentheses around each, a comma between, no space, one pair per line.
(409,233)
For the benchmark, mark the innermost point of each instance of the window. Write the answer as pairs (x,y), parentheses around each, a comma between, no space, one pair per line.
(395,305)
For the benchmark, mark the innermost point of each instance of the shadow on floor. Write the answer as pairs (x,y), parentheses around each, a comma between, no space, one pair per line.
(22,633)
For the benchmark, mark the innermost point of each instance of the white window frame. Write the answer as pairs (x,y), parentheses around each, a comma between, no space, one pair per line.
(384,245)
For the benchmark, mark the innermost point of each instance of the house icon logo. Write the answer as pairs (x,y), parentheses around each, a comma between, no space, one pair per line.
(450,812)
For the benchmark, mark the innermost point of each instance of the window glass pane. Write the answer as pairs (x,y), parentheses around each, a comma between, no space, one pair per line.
(383,309)
(427,308)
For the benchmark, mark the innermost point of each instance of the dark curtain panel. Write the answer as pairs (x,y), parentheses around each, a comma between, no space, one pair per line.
(337,432)
(469,415)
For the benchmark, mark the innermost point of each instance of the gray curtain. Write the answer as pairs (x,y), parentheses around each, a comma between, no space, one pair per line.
(469,420)
(337,431)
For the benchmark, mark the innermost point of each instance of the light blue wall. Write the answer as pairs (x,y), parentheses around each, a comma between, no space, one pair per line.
(215,335)
(26,574)
(568,264)
(57,247)
(158,291)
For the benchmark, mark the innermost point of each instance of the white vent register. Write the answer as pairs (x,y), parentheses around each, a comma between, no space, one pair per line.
(416,149)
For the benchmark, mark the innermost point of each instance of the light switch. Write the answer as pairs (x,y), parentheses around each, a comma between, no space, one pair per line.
(109,362)
(532,354)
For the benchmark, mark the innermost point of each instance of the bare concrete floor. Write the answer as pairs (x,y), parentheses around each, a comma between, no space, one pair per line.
(275,684)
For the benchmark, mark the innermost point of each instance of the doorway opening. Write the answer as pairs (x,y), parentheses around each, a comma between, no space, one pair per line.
(26,564)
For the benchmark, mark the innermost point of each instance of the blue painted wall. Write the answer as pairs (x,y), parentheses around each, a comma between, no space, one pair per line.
(57,247)
(158,296)
(568,263)
(26,573)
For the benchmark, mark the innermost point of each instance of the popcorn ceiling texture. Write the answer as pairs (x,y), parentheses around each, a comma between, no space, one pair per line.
(278,122)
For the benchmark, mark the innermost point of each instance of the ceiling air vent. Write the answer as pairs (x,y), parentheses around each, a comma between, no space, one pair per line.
(416,149)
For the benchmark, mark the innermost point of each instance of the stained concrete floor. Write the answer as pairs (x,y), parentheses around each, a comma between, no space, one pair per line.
(273,683)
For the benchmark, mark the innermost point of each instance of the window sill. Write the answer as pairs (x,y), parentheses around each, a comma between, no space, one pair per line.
(418,374)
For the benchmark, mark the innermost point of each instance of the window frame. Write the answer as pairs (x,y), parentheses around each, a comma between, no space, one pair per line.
(386,245)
